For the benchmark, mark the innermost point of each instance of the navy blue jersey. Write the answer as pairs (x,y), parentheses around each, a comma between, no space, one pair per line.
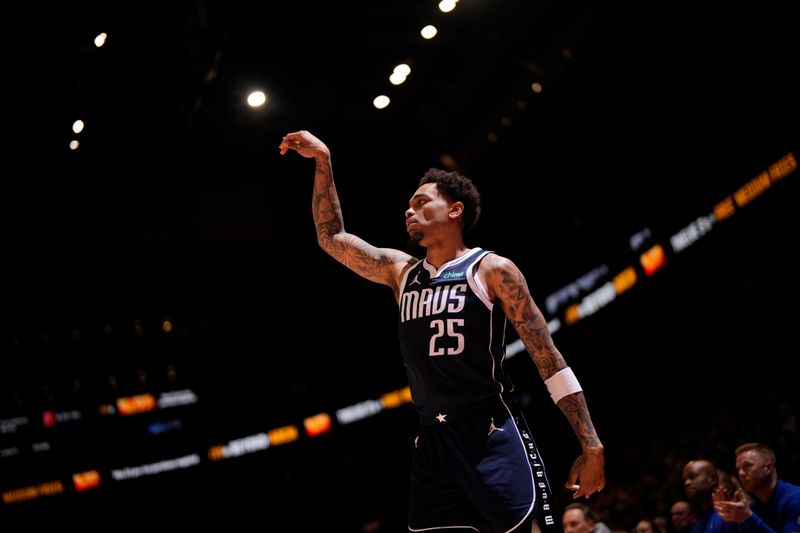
(451,336)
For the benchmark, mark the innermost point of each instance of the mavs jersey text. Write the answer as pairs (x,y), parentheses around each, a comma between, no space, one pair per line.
(451,336)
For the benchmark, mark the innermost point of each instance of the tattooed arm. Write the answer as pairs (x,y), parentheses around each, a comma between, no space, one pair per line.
(507,285)
(381,265)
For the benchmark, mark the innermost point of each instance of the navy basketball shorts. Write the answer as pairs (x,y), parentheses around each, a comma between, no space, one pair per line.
(477,468)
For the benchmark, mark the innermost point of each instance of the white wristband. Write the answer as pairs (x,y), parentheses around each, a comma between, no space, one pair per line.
(562,383)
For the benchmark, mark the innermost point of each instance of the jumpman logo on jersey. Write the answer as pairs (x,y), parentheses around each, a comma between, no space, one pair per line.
(416,280)
(493,428)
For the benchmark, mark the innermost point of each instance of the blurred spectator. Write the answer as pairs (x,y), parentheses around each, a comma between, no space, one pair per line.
(661,524)
(700,479)
(683,516)
(776,504)
(646,525)
(579,518)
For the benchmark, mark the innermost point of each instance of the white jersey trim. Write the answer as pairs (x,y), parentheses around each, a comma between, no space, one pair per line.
(435,273)
(477,286)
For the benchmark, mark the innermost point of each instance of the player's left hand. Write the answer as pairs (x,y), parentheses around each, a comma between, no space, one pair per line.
(587,474)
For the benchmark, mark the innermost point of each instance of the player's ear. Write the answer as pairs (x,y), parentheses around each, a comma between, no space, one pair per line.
(456,208)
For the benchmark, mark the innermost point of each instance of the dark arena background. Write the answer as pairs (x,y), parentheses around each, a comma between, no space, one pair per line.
(177,351)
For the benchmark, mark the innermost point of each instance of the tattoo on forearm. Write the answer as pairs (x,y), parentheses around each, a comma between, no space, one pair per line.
(349,250)
(574,408)
(521,310)
(325,206)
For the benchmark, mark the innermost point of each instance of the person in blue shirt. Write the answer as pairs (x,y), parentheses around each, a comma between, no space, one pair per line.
(775,506)
(700,479)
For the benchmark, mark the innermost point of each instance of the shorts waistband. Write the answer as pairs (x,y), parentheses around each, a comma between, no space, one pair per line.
(488,405)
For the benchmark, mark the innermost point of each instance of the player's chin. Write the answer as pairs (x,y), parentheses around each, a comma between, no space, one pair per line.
(414,241)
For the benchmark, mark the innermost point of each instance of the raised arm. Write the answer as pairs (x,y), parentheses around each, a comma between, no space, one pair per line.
(381,265)
(507,285)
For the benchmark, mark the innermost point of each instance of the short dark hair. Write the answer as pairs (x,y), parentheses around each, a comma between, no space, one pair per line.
(457,188)
(760,448)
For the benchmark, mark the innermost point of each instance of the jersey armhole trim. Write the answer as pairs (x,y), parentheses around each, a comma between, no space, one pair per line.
(475,282)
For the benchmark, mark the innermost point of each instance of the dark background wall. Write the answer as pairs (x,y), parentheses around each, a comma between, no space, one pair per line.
(178,205)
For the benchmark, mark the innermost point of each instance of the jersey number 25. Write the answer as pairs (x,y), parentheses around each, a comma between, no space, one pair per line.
(446,329)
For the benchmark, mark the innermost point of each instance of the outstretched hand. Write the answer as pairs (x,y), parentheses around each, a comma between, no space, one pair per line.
(304,144)
(587,474)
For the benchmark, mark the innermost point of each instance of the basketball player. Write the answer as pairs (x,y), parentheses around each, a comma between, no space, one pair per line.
(475,461)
